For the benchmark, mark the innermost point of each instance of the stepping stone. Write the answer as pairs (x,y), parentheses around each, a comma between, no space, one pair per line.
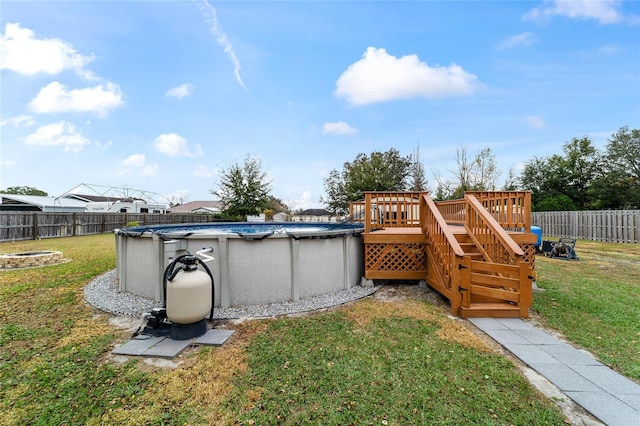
(137,346)
(161,347)
(214,337)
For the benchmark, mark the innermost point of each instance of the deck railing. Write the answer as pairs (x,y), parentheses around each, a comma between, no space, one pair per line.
(453,211)
(387,210)
(512,209)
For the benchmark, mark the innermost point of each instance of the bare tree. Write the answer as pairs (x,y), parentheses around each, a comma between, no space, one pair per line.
(418,178)
(479,173)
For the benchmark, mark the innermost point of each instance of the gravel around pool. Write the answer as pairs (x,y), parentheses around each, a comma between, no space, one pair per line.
(102,293)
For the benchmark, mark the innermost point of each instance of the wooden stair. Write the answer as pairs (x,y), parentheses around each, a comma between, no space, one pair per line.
(461,248)
(469,247)
(490,310)
(485,282)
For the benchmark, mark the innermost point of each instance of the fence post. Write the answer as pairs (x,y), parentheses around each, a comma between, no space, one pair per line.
(74,218)
(35,226)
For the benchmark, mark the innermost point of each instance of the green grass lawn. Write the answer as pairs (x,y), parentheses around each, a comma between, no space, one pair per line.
(369,362)
(595,302)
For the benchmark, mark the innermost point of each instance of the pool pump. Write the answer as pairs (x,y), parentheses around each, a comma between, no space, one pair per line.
(188,297)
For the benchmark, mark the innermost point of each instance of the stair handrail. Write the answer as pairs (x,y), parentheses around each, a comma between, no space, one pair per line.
(489,223)
(440,227)
(446,251)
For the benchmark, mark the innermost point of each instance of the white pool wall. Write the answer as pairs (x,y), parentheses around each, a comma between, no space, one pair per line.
(276,269)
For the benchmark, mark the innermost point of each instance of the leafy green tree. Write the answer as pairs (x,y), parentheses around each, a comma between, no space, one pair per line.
(581,161)
(589,178)
(623,151)
(571,175)
(544,177)
(379,171)
(618,184)
(511,183)
(244,188)
(23,190)
(556,203)
(276,205)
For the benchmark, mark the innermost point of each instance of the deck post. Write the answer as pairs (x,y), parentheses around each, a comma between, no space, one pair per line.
(367,213)
(465,281)
(526,290)
(456,281)
(527,209)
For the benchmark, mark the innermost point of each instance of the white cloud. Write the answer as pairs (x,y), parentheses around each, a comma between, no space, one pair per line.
(609,50)
(338,128)
(304,202)
(223,41)
(149,170)
(202,171)
(139,161)
(7,163)
(60,133)
(135,160)
(19,121)
(22,52)
(174,145)
(535,122)
(522,39)
(604,11)
(379,77)
(55,98)
(104,146)
(181,91)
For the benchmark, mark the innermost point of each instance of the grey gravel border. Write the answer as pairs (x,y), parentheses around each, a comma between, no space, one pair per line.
(103,293)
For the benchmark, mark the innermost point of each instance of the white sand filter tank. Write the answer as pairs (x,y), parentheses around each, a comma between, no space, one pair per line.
(189,296)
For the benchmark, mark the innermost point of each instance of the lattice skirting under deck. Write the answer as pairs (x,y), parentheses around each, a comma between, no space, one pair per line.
(395,257)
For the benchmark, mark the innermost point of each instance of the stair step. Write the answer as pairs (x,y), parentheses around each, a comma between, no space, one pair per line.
(490,310)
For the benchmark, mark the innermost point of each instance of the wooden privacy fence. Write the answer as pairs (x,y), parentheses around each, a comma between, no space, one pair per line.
(35,225)
(614,226)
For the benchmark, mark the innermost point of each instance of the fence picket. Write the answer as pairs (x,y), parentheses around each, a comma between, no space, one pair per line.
(15,225)
(616,226)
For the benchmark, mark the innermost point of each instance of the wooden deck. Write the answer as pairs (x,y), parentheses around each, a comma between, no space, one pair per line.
(464,251)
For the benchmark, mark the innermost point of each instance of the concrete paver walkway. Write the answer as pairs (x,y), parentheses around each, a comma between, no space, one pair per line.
(607,395)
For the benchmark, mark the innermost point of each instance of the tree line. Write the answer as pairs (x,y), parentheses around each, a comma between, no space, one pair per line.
(581,178)
(585,178)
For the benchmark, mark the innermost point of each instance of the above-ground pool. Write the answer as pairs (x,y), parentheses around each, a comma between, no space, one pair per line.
(254,263)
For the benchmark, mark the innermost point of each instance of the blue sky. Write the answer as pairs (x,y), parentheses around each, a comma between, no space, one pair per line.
(162,95)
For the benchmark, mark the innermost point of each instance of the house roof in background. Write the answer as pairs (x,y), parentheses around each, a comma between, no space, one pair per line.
(212,206)
(93,198)
(41,201)
(315,212)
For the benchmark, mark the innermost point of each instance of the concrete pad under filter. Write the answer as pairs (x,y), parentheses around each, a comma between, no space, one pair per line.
(214,337)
